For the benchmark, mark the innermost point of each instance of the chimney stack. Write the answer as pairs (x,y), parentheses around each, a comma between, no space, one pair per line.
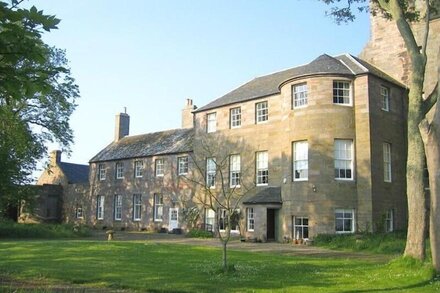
(187,115)
(55,157)
(122,126)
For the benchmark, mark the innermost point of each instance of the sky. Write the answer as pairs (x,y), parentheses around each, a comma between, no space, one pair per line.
(150,56)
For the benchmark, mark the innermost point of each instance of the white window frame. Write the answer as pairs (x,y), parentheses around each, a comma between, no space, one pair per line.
(119,170)
(118,207)
(211,172)
(300,160)
(387,163)
(211,122)
(137,207)
(299,95)
(235,117)
(343,159)
(182,165)
(340,91)
(138,169)
(158,207)
(100,207)
(79,212)
(101,172)
(299,228)
(159,166)
(262,168)
(234,171)
(345,228)
(250,219)
(385,94)
(389,221)
(261,112)
(210,219)
(222,223)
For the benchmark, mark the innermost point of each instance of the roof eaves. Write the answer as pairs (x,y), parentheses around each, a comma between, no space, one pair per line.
(313,74)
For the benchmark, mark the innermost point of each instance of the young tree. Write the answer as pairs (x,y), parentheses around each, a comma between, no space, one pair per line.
(403,13)
(37,96)
(222,176)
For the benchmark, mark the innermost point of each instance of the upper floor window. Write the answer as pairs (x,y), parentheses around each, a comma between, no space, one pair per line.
(182,163)
(300,160)
(261,112)
(138,169)
(262,168)
(342,92)
(119,170)
(118,207)
(100,207)
(211,125)
(211,170)
(235,117)
(159,166)
(158,207)
(343,149)
(101,172)
(385,94)
(387,162)
(234,173)
(137,207)
(299,95)
(344,221)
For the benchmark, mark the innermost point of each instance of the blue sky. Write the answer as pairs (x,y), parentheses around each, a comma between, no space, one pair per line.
(149,56)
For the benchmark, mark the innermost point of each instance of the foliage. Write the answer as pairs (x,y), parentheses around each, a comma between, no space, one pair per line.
(183,268)
(198,233)
(11,230)
(385,243)
(37,95)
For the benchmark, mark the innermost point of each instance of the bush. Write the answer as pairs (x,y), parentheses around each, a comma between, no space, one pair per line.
(10,229)
(389,243)
(197,233)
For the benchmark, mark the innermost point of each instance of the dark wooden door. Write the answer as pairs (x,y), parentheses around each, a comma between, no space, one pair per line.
(270,224)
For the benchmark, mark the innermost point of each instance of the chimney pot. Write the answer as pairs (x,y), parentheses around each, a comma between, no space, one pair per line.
(122,126)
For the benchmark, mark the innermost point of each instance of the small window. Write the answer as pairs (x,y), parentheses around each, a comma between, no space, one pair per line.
(262,163)
(159,165)
(387,162)
(343,149)
(234,173)
(118,207)
(342,92)
(182,165)
(301,228)
(261,112)
(300,160)
(211,170)
(137,207)
(211,125)
(100,207)
(250,219)
(119,171)
(385,94)
(389,221)
(158,207)
(235,117)
(344,219)
(101,172)
(79,211)
(299,95)
(138,169)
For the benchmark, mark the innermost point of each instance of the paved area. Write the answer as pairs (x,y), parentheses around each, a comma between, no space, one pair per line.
(235,244)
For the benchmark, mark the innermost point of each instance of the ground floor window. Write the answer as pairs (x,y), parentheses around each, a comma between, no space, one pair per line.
(118,207)
(100,207)
(79,211)
(158,207)
(235,220)
(344,221)
(250,219)
(209,220)
(300,228)
(137,207)
(389,221)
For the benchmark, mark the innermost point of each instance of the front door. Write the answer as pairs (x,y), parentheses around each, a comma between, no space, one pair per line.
(270,224)
(174,219)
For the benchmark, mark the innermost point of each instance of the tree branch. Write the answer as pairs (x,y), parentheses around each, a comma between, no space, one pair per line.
(431,100)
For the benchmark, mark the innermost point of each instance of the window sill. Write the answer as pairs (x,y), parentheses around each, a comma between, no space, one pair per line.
(343,105)
(263,184)
(136,220)
(158,220)
(300,179)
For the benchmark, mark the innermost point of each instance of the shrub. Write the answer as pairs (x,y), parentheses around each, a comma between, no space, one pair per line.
(198,233)
(9,229)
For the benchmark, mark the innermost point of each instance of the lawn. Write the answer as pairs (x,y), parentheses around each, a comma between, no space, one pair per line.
(147,266)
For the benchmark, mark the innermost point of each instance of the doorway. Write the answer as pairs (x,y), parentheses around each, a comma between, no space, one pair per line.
(270,225)
(174,219)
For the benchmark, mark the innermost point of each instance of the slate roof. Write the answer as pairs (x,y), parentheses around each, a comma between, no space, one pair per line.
(270,84)
(269,195)
(75,173)
(145,145)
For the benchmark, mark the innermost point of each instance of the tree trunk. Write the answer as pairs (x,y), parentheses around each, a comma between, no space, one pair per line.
(225,256)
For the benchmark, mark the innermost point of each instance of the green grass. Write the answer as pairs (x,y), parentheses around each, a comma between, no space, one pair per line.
(388,243)
(11,230)
(146,266)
